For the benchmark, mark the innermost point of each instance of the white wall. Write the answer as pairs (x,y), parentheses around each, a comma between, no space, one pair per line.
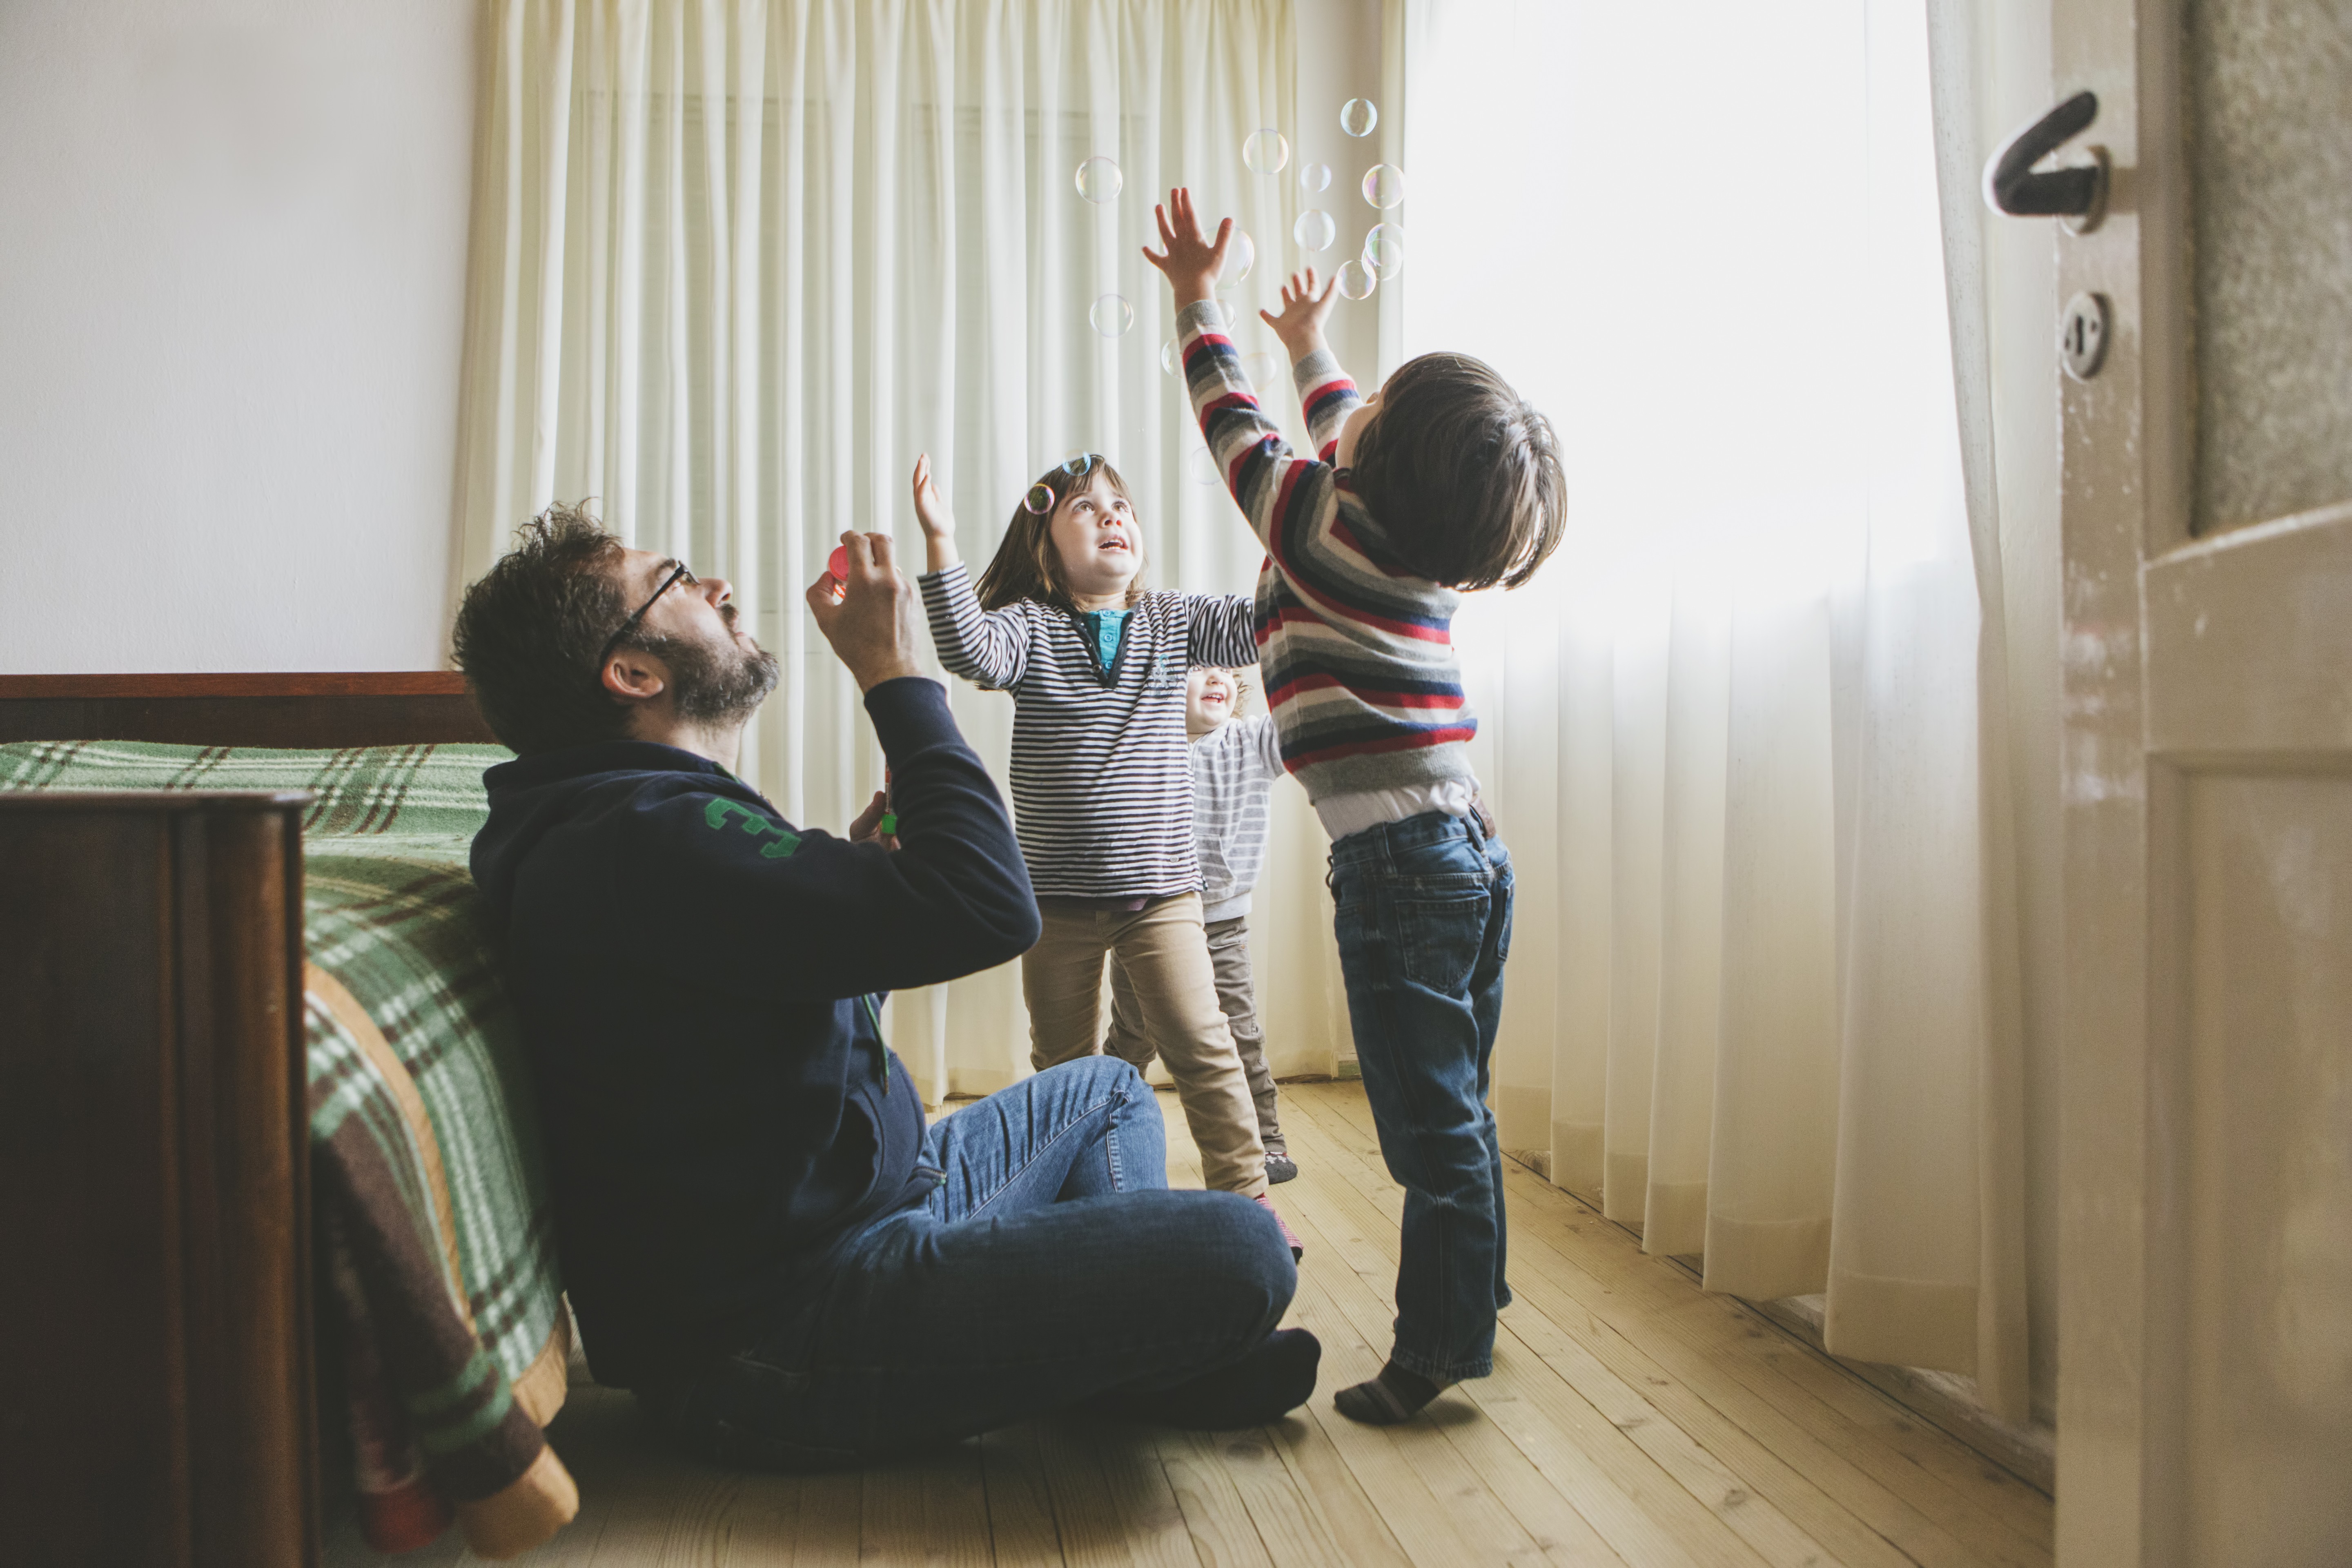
(232,289)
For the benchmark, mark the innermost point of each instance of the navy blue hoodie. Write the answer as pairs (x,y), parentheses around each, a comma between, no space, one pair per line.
(699,982)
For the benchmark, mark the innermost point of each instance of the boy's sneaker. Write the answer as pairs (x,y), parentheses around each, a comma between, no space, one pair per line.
(1297,1251)
(1281,1168)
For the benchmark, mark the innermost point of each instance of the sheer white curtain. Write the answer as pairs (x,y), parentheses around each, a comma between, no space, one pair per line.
(736,262)
(1744,732)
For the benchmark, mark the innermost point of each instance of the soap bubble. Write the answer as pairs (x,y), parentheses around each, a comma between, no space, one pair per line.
(1240,257)
(1078,463)
(1384,249)
(1314,230)
(1356,281)
(1100,180)
(1169,361)
(1259,366)
(1202,467)
(1265,153)
(1112,315)
(1384,185)
(1357,117)
(1314,178)
(1039,500)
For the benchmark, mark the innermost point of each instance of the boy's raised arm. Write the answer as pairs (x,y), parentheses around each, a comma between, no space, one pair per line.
(1276,490)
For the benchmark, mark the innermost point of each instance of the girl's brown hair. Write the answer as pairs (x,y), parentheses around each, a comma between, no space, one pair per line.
(1026,565)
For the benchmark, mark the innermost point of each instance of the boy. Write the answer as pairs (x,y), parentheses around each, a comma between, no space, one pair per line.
(1443,481)
(1235,762)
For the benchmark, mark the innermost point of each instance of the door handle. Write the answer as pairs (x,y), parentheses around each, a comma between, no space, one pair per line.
(2078,195)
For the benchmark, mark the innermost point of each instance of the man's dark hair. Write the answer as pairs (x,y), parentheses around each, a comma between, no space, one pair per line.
(529,629)
(1463,476)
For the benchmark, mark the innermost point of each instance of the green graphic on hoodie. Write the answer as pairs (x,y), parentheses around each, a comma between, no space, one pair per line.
(785,842)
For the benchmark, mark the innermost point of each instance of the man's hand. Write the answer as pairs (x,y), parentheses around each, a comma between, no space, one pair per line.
(872,629)
(939,522)
(866,828)
(1304,311)
(1190,261)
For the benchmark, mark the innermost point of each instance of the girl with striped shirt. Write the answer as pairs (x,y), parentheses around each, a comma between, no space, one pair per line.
(1102,784)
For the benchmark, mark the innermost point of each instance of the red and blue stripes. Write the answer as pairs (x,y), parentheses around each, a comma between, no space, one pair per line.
(1356,647)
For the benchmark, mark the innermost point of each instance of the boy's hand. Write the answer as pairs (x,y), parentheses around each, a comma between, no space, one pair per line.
(1304,311)
(1191,263)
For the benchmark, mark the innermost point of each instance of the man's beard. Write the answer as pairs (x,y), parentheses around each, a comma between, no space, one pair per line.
(722,684)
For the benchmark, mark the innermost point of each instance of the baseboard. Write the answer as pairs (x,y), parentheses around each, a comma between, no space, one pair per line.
(1346,1068)
(1945,1402)
(1943,1399)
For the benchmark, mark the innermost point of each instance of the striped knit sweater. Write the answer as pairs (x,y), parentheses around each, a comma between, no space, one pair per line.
(1102,782)
(1358,650)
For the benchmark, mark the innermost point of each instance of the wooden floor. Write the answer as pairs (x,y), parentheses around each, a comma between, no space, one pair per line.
(1632,1419)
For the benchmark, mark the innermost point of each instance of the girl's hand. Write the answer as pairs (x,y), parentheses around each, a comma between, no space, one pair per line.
(1304,311)
(1190,261)
(930,506)
(939,523)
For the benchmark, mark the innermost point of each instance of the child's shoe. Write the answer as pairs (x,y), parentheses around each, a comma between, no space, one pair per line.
(1297,1251)
(1281,1168)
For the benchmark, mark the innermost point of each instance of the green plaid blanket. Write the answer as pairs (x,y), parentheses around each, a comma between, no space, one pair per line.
(392,913)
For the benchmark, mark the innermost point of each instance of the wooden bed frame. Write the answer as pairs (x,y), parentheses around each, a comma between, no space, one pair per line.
(157,1312)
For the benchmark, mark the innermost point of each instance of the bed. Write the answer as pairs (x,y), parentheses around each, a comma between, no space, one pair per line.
(270,1096)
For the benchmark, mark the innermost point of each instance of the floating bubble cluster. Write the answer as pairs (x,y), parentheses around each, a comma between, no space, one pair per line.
(1039,500)
(1202,466)
(1265,153)
(1240,257)
(1384,249)
(1357,117)
(1314,178)
(1356,281)
(1384,185)
(1112,315)
(1259,366)
(1098,180)
(1314,230)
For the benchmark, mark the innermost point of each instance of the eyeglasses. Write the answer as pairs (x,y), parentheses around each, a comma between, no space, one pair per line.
(630,624)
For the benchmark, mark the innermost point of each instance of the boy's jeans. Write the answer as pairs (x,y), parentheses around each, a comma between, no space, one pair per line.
(1051,1266)
(1424,924)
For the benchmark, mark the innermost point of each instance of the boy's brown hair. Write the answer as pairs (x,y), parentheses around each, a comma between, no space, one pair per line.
(1026,565)
(529,630)
(1463,475)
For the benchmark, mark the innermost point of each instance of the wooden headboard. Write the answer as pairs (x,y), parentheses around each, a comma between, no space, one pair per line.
(390,708)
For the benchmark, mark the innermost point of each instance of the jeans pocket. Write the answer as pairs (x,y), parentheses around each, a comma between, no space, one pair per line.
(1440,937)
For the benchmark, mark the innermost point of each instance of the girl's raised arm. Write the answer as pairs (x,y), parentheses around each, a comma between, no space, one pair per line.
(988,649)
(1223,630)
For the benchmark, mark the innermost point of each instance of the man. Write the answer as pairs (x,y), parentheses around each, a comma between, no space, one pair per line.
(760,1233)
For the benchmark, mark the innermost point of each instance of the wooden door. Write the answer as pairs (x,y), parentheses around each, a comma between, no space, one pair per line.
(2205,1322)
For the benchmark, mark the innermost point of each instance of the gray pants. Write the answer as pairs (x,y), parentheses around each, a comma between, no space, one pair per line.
(1130,1031)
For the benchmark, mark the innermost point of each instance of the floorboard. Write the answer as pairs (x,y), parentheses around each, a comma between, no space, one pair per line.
(1633,1421)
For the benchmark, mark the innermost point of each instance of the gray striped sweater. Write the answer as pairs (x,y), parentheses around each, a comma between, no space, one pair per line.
(1102,789)
(1235,767)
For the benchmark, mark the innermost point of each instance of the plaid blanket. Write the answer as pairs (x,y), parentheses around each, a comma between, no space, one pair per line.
(436,1218)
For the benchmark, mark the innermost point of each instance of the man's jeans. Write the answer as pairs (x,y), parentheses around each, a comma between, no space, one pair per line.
(1424,924)
(1051,1265)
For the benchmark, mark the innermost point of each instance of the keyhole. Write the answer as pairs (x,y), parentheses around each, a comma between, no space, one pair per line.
(2082,336)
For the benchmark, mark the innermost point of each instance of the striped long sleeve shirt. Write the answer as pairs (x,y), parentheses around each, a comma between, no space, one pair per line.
(1356,649)
(1102,782)
(1235,767)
